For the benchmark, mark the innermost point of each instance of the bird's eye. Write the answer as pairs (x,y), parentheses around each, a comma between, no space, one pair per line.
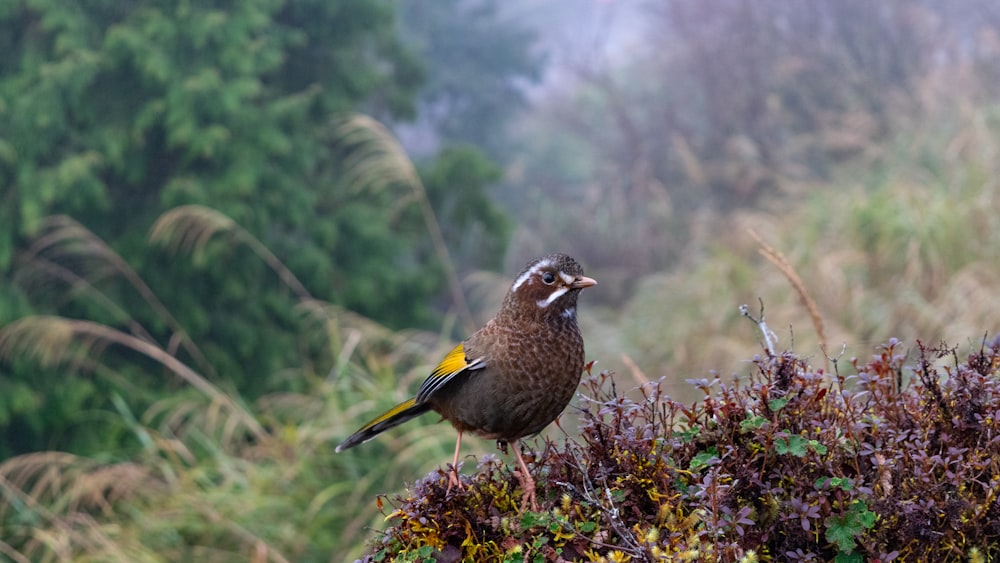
(549,278)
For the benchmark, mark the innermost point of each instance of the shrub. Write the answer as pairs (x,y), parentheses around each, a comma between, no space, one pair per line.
(895,462)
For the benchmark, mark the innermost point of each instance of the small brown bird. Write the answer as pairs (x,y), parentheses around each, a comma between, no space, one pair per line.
(512,377)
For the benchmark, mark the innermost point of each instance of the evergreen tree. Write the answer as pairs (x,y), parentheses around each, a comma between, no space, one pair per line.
(112,113)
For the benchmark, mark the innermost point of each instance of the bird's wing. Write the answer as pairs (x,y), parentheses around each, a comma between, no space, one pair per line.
(453,365)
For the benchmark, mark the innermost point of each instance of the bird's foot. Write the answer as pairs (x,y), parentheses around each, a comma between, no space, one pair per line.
(454,482)
(528,501)
(527,483)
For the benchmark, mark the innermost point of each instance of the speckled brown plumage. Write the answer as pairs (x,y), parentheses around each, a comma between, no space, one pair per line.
(515,375)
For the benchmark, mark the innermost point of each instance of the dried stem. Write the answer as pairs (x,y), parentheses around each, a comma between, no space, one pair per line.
(779,260)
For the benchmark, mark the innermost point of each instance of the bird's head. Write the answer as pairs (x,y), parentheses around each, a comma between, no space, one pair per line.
(548,287)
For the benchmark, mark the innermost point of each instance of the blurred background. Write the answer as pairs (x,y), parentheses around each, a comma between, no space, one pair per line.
(232,232)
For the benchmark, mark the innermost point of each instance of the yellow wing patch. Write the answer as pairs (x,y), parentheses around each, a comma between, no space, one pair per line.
(450,367)
(453,362)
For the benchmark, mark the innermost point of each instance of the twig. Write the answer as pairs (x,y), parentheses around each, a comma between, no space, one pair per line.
(769,337)
(779,260)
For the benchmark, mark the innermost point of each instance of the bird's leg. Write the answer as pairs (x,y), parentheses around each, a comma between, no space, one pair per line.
(453,480)
(527,483)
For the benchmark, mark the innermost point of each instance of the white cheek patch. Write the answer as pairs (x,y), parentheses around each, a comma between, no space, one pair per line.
(543,303)
(531,272)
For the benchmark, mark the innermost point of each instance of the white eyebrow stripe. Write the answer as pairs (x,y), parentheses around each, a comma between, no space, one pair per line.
(543,303)
(567,278)
(531,271)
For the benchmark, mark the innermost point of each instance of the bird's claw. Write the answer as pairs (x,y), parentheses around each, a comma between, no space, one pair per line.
(454,482)
(528,501)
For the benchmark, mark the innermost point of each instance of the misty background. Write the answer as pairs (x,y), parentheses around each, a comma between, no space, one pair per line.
(217,262)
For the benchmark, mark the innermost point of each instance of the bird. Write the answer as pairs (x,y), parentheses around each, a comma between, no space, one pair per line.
(512,377)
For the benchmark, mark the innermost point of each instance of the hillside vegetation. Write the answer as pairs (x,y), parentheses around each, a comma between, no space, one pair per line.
(219,478)
(218,261)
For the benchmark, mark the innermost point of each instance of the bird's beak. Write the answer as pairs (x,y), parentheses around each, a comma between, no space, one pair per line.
(582,282)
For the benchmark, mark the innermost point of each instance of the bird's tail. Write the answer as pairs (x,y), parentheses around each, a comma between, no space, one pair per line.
(393,417)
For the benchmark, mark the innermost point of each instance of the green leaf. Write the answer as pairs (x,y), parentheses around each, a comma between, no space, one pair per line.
(817,447)
(704,459)
(752,423)
(793,444)
(777,404)
(798,446)
(687,436)
(843,483)
(843,529)
(865,517)
(530,519)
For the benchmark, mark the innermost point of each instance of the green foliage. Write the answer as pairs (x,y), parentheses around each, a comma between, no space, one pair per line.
(844,529)
(209,476)
(476,228)
(220,115)
(150,105)
(478,62)
(795,445)
(115,114)
(704,459)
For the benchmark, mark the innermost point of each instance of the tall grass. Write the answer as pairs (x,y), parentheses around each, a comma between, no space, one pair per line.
(197,492)
(907,247)
(216,478)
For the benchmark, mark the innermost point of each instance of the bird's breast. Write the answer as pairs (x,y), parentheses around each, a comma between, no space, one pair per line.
(531,376)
